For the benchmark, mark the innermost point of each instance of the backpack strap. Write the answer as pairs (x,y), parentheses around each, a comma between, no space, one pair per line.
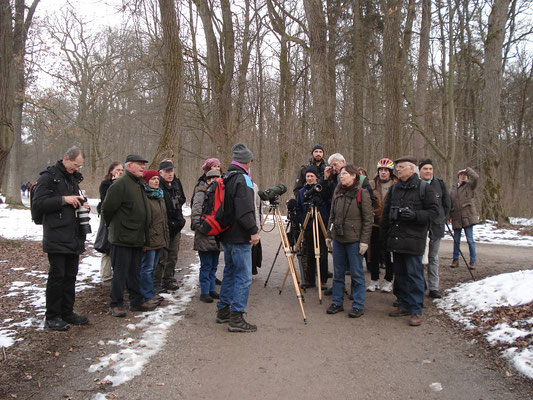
(423,187)
(360,197)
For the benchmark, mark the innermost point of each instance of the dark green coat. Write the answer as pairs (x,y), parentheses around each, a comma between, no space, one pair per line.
(126,212)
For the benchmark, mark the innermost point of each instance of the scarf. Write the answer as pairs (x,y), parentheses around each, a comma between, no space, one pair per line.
(154,193)
(238,164)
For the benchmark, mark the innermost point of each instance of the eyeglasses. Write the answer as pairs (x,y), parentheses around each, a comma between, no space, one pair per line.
(78,166)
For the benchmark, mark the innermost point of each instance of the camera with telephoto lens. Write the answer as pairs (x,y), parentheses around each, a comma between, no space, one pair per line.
(313,194)
(82,214)
(272,193)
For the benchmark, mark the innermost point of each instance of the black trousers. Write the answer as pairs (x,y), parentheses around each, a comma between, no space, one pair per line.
(126,262)
(61,284)
(379,254)
(310,270)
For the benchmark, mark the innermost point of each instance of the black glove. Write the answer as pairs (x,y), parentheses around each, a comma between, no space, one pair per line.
(407,214)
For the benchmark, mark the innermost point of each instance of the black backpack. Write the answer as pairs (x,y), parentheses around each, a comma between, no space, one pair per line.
(36,217)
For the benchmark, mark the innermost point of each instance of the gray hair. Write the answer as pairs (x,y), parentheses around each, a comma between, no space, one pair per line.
(74,152)
(336,156)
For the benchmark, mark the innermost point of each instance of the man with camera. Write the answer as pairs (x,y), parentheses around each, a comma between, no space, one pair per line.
(410,205)
(126,212)
(316,160)
(312,195)
(174,199)
(58,200)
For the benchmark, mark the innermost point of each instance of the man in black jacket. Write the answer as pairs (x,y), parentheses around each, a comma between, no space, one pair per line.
(404,225)
(174,200)
(436,227)
(317,161)
(58,199)
(238,239)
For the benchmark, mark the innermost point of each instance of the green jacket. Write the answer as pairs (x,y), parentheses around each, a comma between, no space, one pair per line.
(126,212)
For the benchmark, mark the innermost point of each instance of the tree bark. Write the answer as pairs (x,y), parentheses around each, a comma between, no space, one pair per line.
(492,205)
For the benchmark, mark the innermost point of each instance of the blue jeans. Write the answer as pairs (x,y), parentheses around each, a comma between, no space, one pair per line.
(409,283)
(469,233)
(149,261)
(237,276)
(347,255)
(208,270)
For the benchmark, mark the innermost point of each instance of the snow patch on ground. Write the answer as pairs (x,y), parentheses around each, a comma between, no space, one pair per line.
(133,354)
(490,233)
(511,289)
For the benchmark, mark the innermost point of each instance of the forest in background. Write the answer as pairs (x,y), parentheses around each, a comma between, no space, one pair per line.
(446,79)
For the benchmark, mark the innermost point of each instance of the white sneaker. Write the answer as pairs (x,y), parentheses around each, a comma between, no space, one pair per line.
(373,286)
(387,287)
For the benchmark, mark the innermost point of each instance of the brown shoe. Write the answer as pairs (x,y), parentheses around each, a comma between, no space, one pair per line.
(472,265)
(455,263)
(146,306)
(399,312)
(415,320)
(117,312)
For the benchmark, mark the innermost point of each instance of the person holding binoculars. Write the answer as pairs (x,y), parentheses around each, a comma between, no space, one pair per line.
(312,194)
(64,213)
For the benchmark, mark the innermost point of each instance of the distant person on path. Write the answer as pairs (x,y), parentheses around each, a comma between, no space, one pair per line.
(237,241)
(464,214)
(381,184)
(348,235)
(405,220)
(174,199)
(57,198)
(436,226)
(158,235)
(208,247)
(101,244)
(126,212)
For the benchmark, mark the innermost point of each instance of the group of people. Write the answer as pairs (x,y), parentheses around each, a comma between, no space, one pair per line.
(396,220)
(25,188)
(391,220)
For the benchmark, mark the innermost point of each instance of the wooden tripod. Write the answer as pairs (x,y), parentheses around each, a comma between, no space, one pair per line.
(288,253)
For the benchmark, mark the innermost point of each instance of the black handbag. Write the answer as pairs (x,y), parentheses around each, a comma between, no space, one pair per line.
(101,244)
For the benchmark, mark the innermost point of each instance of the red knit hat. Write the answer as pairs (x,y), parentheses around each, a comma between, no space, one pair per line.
(149,174)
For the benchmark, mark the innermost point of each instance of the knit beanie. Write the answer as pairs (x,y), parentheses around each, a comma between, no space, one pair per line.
(425,162)
(241,153)
(149,174)
(312,169)
(317,147)
(210,163)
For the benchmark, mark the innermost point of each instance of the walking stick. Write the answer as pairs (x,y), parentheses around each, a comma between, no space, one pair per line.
(460,252)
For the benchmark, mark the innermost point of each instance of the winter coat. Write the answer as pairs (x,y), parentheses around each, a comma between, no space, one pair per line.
(300,179)
(464,211)
(61,230)
(174,200)
(380,193)
(239,209)
(201,241)
(356,221)
(126,212)
(158,234)
(436,226)
(101,243)
(323,204)
(408,237)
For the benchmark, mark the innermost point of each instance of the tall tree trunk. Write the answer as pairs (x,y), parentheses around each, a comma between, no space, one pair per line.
(170,143)
(450,101)
(392,78)
(492,205)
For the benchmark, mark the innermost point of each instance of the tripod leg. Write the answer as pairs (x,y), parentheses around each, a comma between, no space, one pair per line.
(460,252)
(273,262)
(284,280)
(316,245)
(301,236)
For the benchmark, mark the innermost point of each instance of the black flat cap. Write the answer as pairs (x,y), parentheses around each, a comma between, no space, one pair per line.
(135,157)
(164,165)
(410,159)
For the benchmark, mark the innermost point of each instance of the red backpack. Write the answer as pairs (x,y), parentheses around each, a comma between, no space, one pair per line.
(212,219)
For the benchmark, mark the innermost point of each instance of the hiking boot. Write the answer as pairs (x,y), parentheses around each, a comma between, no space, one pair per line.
(373,286)
(455,263)
(117,312)
(472,265)
(396,303)
(415,320)
(386,287)
(399,312)
(76,319)
(206,298)
(149,305)
(214,295)
(218,282)
(238,324)
(158,298)
(435,294)
(356,312)
(171,286)
(56,324)
(328,292)
(334,309)
(223,315)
